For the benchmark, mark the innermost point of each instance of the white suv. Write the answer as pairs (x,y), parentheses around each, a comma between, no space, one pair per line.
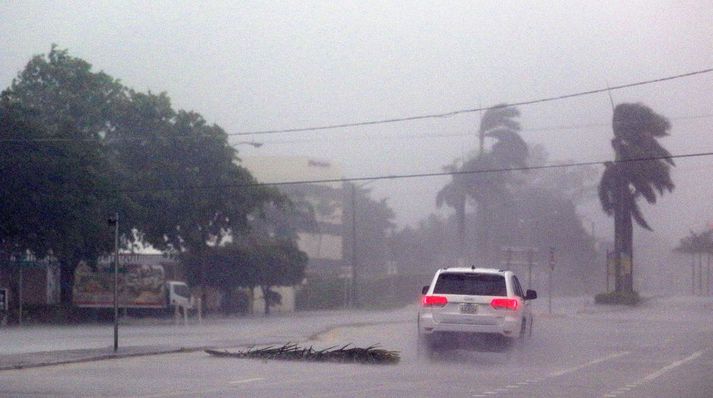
(473,308)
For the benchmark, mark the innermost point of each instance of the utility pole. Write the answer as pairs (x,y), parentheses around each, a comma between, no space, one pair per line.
(354,299)
(355,275)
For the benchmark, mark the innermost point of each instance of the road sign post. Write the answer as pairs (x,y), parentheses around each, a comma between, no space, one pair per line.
(3,299)
(3,305)
(519,257)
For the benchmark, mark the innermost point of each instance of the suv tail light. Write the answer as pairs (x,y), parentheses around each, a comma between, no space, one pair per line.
(434,301)
(505,303)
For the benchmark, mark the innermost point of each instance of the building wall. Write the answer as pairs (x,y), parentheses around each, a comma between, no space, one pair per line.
(323,246)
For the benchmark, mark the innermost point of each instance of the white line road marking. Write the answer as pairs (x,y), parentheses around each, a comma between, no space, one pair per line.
(246,380)
(555,374)
(200,393)
(656,374)
(672,366)
(590,363)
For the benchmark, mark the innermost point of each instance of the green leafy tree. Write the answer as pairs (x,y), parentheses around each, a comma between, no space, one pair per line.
(200,195)
(422,249)
(98,148)
(636,130)
(227,267)
(62,169)
(276,262)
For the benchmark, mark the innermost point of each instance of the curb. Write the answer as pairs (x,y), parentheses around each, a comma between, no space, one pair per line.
(91,358)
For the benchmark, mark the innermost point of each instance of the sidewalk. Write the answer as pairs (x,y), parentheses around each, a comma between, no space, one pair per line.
(48,358)
(35,346)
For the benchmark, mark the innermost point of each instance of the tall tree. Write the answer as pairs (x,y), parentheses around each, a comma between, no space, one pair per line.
(200,195)
(64,168)
(277,263)
(373,224)
(636,130)
(455,195)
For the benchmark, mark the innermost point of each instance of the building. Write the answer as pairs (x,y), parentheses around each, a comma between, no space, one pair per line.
(323,245)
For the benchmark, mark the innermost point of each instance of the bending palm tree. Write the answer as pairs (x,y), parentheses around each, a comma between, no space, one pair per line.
(636,128)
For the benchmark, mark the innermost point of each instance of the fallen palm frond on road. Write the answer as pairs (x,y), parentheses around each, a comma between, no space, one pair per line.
(290,351)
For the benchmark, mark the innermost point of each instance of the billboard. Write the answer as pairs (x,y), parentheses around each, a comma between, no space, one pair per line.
(139,285)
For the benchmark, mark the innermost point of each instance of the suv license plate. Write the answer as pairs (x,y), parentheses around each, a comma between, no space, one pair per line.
(468,308)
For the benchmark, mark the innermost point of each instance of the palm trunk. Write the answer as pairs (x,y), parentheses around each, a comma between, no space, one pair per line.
(460,215)
(693,274)
(203,280)
(628,254)
(66,282)
(623,231)
(618,239)
(265,295)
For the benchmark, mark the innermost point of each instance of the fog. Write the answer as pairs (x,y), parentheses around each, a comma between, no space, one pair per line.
(254,66)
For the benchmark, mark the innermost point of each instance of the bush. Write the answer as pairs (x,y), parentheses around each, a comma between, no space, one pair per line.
(626,298)
(392,291)
(375,292)
(321,293)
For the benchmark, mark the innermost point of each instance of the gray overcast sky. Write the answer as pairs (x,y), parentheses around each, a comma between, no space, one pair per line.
(268,65)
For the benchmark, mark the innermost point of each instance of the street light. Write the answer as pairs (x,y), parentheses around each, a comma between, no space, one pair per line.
(251,143)
(114,221)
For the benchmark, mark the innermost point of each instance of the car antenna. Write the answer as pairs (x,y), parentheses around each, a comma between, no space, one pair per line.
(472,267)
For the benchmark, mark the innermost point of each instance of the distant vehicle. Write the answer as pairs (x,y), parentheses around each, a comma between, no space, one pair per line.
(473,308)
(140,286)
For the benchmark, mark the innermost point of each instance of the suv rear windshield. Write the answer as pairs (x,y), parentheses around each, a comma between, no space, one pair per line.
(471,284)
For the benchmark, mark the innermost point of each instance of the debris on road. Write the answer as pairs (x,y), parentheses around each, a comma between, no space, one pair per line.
(290,351)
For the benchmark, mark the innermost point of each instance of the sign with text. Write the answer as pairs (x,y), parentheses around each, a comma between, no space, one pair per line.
(518,256)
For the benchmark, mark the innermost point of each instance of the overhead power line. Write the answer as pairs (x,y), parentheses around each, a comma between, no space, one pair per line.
(462,111)
(447,135)
(273,142)
(416,175)
(410,118)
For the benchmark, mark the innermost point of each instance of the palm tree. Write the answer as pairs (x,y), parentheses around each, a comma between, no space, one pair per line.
(498,118)
(454,195)
(636,128)
(486,189)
